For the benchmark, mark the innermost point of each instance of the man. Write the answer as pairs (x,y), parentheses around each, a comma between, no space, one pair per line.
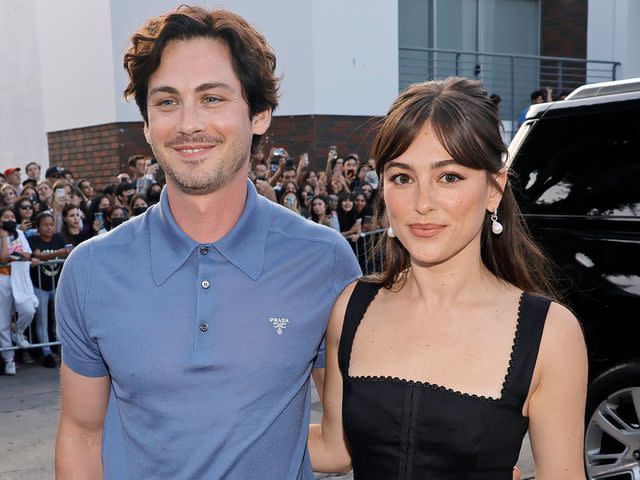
(87,189)
(124,191)
(187,344)
(53,173)
(536,97)
(137,165)
(33,170)
(13,178)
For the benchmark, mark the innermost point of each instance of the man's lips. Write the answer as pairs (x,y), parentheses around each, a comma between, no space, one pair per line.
(192,150)
(426,229)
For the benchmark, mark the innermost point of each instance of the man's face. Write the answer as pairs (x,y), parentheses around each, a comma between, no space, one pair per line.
(260,170)
(33,171)
(288,176)
(140,167)
(198,121)
(538,99)
(14,178)
(87,189)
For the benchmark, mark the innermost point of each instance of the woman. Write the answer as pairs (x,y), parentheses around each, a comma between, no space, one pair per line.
(46,246)
(153,193)
(138,205)
(23,211)
(349,222)
(72,226)
(16,290)
(360,205)
(97,215)
(46,193)
(290,200)
(320,213)
(116,216)
(8,194)
(440,364)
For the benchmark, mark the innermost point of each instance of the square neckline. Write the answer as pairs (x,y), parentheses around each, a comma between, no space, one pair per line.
(434,386)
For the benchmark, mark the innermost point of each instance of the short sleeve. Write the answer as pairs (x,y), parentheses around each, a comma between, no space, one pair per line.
(345,271)
(80,352)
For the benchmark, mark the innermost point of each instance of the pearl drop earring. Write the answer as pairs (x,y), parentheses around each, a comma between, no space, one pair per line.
(496,226)
(391,233)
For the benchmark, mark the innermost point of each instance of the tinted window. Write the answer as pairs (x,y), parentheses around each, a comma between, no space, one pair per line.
(584,162)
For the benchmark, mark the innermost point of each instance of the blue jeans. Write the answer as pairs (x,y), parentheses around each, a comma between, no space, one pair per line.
(42,317)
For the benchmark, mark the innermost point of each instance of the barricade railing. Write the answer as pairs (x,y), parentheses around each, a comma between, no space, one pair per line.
(370,261)
(52,269)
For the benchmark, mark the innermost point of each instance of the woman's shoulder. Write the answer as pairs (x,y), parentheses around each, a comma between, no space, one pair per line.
(562,344)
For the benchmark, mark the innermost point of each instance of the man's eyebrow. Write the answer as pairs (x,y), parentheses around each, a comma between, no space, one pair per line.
(199,89)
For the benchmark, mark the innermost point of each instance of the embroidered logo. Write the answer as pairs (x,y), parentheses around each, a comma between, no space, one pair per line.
(279,323)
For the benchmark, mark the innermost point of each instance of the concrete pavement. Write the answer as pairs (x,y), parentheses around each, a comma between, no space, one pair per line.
(29,409)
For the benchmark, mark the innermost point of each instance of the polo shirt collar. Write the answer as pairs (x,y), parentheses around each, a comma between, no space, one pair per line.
(243,246)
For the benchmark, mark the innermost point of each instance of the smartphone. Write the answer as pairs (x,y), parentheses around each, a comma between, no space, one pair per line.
(279,152)
(334,151)
(60,193)
(274,167)
(99,217)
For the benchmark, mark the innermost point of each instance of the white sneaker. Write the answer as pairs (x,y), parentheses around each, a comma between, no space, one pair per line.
(19,340)
(10,368)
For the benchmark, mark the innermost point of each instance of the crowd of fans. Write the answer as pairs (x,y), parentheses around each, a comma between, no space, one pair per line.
(42,220)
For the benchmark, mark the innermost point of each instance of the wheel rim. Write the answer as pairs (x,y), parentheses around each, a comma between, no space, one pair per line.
(612,440)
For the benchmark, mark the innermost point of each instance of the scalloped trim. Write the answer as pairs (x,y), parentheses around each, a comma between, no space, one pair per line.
(434,386)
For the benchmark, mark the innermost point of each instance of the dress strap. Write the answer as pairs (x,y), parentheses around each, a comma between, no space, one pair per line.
(362,295)
(531,320)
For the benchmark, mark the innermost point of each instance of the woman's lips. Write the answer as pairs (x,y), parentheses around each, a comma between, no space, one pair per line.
(426,230)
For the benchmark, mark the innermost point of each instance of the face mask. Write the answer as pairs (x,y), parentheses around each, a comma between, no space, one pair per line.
(154,197)
(139,210)
(116,221)
(9,226)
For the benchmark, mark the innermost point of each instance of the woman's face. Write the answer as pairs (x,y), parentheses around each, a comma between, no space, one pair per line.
(139,203)
(290,201)
(26,209)
(76,200)
(117,213)
(47,227)
(290,187)
(319,207)
(9,196)
(73,218)
(29,192)
(7,216)
(435,205)
(360,202)
(346,204)
(367,190)
(336,186)
(104,204)
(362,172)
(312,179)
(45,191)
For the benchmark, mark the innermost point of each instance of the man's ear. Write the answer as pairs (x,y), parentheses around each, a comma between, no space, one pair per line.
(146,133)
(495,195)
(260,122)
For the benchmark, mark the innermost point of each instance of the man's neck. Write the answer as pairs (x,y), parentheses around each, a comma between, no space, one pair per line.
(208,218)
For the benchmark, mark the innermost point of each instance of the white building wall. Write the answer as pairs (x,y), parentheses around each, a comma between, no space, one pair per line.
(22,130)
(613,34)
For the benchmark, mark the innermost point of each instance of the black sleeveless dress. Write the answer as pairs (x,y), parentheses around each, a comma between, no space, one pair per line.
(405,430)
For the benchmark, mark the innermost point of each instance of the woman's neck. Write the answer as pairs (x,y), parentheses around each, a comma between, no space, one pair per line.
(46,238)
(73,230)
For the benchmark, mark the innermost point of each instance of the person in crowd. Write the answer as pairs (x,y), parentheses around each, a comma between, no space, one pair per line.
(179,66)
(47,245)
(496,100)
(8,195)
(72,229)
(116,216)
(62,192)
(16,290)
(124,192)
(97,216)
(369,194)
(68,177)
(13,178)
(305,196)
(347,218)
(87,190)
(137,166)
(467,297)
(110,192)
(153,193)
(33,171)
(360,205)
(3,179)
(29,182)
(290,200)
(361,173)
(536,97)
(54,173)
(45,192)
(25,215)
(138,205)
(78,199)
(151,170)
(350,170)
(32,194)
(320,213)
(123,178)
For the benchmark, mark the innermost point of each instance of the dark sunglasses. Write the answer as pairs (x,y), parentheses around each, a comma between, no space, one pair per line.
(26,207)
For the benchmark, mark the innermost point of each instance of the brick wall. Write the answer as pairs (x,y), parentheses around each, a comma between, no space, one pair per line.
(100,152)
(97,153)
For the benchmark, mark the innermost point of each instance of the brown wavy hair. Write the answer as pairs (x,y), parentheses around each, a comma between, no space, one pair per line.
(254,62)
(467,125)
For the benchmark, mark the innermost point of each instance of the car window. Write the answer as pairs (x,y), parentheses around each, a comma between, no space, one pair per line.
(581,163)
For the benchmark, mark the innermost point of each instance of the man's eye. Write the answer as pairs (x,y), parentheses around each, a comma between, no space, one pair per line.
(211,99)
(167,102)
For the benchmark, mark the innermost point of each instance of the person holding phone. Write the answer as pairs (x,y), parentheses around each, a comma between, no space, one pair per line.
(16,290)
(23,209)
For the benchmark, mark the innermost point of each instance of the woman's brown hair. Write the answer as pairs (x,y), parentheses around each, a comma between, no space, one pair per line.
(467,125)
(254,62)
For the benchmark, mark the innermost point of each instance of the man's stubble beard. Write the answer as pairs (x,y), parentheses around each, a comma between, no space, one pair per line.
(205,182)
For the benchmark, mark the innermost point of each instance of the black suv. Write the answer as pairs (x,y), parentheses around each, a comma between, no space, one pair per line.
(577,180)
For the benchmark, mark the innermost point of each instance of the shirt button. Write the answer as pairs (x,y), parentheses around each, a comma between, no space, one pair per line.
(204,327)
(205,284)
(204,250)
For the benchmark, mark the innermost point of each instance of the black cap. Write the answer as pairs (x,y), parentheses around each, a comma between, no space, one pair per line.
(54,171)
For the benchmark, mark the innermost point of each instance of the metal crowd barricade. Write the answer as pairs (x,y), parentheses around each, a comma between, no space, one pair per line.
(370,259)
(56,265)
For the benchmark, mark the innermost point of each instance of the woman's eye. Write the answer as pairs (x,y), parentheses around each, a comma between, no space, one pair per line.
(401,179)
(451,177)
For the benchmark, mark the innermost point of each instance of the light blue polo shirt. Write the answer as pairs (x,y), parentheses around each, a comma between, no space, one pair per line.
(209,346)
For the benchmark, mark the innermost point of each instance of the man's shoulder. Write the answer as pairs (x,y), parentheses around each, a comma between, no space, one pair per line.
(128,234)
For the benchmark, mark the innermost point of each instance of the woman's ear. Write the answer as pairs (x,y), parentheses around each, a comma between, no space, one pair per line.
(495,195)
